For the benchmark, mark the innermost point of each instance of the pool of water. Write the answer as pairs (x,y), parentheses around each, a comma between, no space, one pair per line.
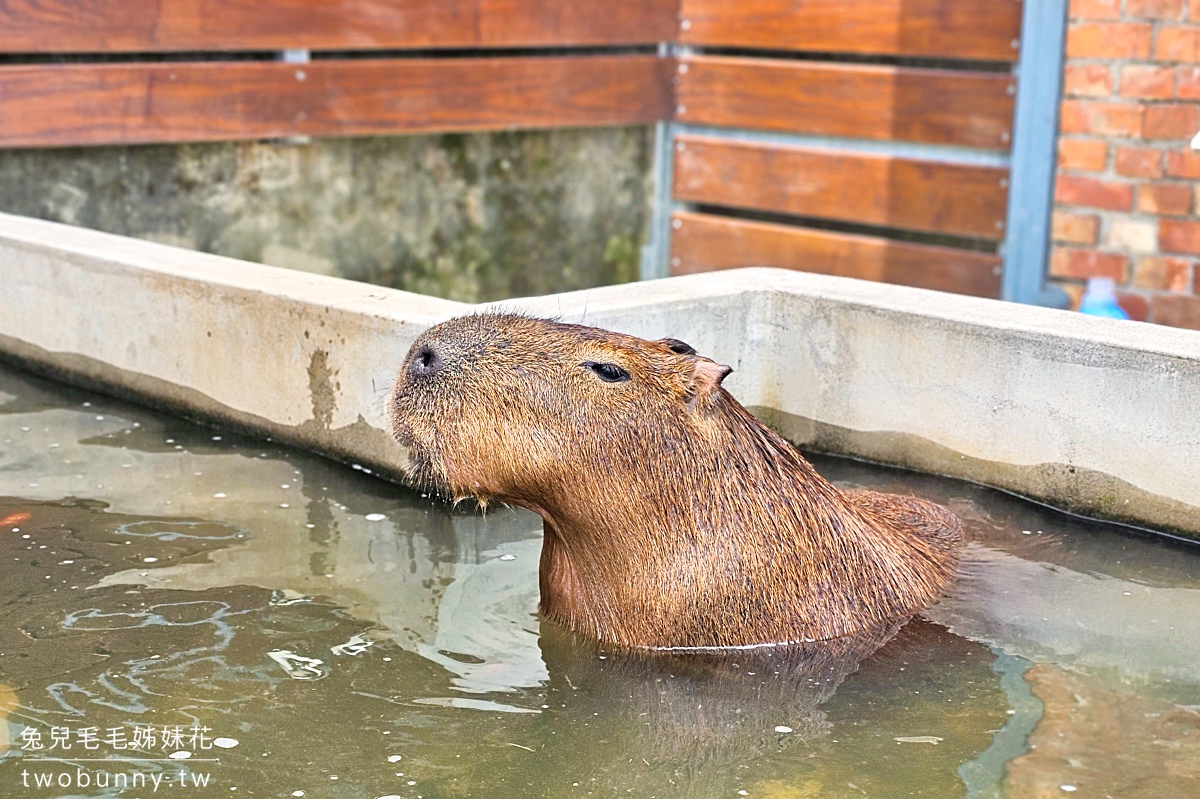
(201,614)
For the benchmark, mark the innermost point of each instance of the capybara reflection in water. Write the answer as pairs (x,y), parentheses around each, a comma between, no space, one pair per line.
(672,517)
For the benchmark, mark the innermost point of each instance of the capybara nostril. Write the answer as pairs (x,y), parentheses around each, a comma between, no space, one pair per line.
(426,361)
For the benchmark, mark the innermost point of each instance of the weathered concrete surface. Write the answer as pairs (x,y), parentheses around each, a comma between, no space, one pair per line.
(1093,414)
(470,217)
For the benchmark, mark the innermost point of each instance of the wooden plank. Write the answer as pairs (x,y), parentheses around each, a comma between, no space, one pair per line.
(108,26)
(967,29)
(856,100)
(957,199)
(75,104)
(703,243)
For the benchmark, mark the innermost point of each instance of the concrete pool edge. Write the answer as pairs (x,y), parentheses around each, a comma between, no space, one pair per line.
(1095,415)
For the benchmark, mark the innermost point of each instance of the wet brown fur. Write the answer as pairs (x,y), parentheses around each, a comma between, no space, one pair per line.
(672,517)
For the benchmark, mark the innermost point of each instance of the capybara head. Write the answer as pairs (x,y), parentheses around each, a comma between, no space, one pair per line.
(513,408)
(672,517)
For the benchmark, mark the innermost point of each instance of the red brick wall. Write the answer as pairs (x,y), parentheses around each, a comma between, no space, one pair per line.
(1125,197)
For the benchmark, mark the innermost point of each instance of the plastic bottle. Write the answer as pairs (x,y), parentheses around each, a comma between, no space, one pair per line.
(1099,299)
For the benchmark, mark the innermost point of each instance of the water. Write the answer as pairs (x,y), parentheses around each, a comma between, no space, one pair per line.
(343,637)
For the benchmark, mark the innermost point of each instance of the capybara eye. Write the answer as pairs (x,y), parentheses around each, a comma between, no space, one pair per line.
(680,347)
(608,372)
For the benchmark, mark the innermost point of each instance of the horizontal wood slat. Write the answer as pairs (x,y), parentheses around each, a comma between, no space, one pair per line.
(76,104)
(703,243)
(106,26)
(967,29)
(854,100)
(957,199)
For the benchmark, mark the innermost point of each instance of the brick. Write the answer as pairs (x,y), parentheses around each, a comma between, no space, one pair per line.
(1176,310)
(1187,83)
(1154,9)
(1104,119)
(1071,262)
(1171,121)
(1178,44)
(1134,235)
(1172,199)
(1147,81)
(1087,80)
(1139,162)
(1084,155)
(1183,164)
(1094,9)
(1074,228)
(1137,306)
(1162,273)
(1092,193)
(1179,235)
(1108,40)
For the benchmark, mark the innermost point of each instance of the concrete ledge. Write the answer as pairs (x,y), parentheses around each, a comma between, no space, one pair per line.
(1098,416)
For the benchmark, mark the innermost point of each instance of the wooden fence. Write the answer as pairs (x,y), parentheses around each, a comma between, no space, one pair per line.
(836,206)
(864,138)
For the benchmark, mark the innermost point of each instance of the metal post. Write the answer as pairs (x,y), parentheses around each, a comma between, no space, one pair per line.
(1035,133)
(657,251)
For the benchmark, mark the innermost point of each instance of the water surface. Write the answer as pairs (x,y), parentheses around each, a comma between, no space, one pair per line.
(344,637)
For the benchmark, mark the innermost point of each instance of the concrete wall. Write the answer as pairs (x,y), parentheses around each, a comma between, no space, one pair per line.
(1091,414)
(471,217)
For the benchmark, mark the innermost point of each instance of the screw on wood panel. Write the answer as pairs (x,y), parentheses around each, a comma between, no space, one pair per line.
(681,146)
(300,74)
(996,271)
(1016,44)
(677,223)
(1004,183)
(682,68)
(681,109)
(999,224)
(1011,89)
(676,261)
(686,24)
(1004,137)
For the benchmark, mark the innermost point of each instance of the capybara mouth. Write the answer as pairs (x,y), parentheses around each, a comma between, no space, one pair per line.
(421,468)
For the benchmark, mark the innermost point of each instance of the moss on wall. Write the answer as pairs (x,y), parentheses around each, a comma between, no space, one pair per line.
(470,217)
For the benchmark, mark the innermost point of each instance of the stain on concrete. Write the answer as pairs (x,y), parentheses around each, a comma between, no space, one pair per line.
(323,389)
(471,217)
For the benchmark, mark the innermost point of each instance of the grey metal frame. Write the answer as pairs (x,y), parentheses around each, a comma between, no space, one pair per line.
(1026,246)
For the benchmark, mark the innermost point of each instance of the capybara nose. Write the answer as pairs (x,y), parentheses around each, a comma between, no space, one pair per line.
(425,362)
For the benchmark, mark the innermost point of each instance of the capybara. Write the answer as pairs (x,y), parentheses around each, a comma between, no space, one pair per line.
(673,518)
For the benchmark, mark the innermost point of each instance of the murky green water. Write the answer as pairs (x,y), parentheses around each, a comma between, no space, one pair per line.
(304,627)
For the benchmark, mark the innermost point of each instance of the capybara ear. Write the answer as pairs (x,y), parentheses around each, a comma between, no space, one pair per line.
(677,346)
(707,376)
